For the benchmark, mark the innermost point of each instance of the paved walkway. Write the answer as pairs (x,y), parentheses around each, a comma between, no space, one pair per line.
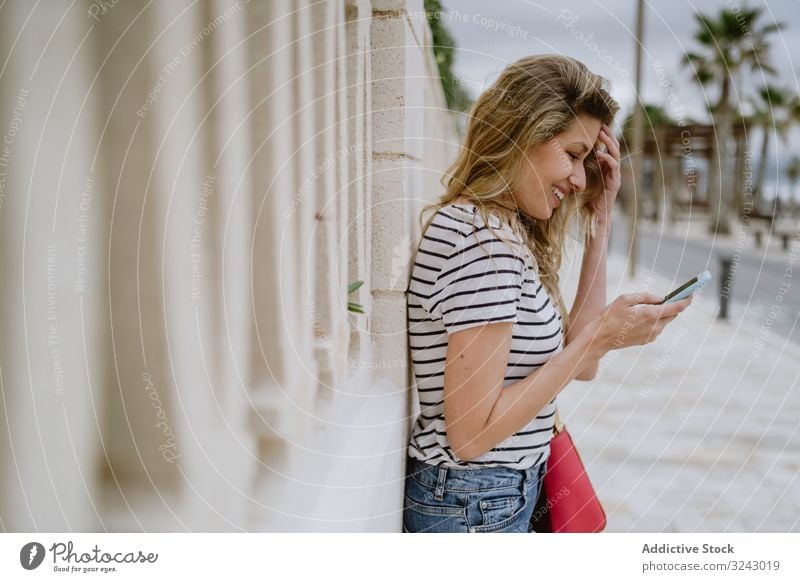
(699,431)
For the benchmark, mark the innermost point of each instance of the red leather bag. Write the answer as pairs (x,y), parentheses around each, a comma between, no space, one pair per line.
(567,502)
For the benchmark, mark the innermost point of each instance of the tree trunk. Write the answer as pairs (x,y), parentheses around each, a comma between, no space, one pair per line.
(719,189)
(738,176)
(659,187)
(758,187)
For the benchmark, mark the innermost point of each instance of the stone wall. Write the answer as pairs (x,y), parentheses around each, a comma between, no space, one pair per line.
(187,190)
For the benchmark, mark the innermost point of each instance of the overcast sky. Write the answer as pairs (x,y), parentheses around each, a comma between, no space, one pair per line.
(489,35)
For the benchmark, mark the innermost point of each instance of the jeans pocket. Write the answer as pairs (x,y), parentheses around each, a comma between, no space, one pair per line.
(432,508)
(422,512)
(432,518)
(500,512)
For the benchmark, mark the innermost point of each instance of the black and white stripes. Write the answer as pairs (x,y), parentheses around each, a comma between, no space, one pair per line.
(467,274)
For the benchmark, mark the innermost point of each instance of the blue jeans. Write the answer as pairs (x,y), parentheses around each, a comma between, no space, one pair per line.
(487,499)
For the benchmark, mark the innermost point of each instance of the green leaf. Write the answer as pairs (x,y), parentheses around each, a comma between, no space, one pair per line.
(355,307)
(354,286)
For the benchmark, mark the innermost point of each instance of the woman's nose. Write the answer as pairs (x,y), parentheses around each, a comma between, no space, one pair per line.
(578,178)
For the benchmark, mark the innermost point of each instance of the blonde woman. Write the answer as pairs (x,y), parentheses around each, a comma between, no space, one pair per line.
(492,343)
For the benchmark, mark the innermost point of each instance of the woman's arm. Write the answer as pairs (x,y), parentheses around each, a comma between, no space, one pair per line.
(474,398)
(590,300)
(480,413)
(591,296)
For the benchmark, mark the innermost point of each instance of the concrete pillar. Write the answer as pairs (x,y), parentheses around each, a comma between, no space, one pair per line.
(393,168)
(52,240)
(281,394)
(397,93)
(331,328)
(186,185)
(359,112)
(140,413)
(231,227)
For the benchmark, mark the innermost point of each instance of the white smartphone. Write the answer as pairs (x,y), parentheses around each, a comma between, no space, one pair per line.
(688,288)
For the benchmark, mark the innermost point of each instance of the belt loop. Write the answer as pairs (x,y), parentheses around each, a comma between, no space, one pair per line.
(439,493)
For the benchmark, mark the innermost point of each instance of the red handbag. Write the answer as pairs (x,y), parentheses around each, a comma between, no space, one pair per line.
(567,501)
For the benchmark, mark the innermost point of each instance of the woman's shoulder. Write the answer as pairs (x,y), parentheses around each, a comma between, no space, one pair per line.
(457,218)
(463,220)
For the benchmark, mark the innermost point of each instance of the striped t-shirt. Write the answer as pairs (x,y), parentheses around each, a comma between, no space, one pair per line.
(465,275)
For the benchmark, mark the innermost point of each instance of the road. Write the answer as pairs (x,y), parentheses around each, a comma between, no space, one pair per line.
(762,291)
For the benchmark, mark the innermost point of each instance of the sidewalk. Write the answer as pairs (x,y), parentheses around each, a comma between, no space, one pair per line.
(695,432)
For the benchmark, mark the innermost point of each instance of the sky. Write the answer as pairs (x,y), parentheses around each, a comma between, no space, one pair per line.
(489,35)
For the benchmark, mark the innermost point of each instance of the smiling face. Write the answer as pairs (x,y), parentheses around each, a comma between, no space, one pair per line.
(555,169)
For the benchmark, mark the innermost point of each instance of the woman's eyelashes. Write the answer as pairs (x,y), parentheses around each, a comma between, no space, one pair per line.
(579,157)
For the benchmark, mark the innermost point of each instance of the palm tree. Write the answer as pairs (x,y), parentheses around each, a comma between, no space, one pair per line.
(773,114)
(655,116)
(733,41)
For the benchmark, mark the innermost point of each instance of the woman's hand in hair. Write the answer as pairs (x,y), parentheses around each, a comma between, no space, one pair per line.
(634,319)
(608,155)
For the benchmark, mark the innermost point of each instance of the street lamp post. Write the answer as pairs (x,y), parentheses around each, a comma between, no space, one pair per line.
(638,139)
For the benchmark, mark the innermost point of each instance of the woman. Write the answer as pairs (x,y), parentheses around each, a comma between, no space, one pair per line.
(491,341)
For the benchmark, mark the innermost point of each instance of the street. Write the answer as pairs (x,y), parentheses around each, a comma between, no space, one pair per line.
(761,291)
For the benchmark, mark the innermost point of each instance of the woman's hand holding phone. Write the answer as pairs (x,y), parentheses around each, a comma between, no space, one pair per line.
(634,319)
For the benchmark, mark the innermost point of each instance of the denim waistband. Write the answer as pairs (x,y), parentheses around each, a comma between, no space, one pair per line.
(469,478)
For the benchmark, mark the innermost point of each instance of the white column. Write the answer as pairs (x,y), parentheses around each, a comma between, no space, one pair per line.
(393,166)
(232,222)
(359,162)
(281,393)
(330,294)
(299,219)
(186,193)
(140,416)
(51,241)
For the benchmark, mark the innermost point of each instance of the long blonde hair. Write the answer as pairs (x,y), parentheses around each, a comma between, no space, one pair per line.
(533,100)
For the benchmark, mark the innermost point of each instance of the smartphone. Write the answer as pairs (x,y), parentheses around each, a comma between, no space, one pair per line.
(688,288)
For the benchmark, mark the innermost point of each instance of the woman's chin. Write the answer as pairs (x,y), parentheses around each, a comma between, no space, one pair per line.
(533,217)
